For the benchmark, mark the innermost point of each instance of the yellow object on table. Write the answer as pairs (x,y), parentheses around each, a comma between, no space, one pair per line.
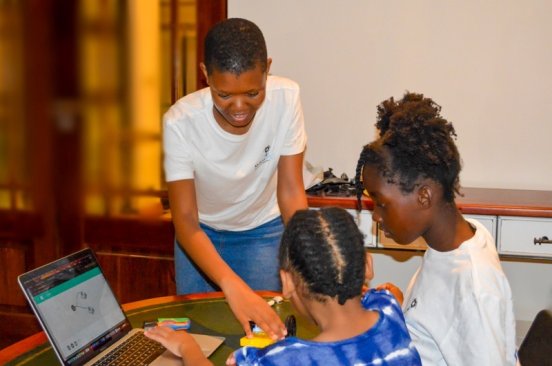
(259,340)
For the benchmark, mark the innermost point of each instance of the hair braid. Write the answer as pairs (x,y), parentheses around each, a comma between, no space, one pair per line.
(324,249)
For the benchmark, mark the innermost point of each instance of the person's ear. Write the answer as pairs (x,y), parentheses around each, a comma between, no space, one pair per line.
(204,71)
(369,267)
(288,286)
(425,195)
(268,63)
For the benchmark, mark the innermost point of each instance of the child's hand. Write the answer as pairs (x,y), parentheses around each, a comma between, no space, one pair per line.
(180,343)
(231,360)
(393,289)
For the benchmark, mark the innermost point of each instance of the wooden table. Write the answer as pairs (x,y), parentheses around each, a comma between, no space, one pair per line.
(209,314)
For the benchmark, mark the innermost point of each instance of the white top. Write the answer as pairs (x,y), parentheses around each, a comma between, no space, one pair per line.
(235,175)
(458,306)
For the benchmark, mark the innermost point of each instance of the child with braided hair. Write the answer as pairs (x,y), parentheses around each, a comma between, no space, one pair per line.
(458,305)
(323,268)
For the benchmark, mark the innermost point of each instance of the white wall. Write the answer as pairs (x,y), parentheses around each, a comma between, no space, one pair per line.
(487,63)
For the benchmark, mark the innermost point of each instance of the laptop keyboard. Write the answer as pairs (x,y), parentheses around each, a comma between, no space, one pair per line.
(137,350)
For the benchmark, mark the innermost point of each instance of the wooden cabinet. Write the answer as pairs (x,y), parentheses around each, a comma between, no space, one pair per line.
(136,255)
(525,236)
(488,221)
(515,218)
(419,244)
(367,227)
(386,243)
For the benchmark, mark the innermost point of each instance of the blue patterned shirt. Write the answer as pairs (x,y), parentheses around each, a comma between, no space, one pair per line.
(387,343)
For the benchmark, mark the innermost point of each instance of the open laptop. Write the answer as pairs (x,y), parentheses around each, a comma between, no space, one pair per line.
(82,318)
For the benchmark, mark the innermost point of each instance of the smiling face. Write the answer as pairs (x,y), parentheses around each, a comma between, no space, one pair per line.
(236,98)
(402,216)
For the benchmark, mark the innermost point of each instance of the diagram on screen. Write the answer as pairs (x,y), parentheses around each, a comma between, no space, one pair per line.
(84,308)
(80,303)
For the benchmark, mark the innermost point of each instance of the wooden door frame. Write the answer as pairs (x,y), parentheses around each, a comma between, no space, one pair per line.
(209,13)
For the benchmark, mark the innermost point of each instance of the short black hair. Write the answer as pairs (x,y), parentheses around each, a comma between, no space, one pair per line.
(324,249)
(414,142)
(235,45)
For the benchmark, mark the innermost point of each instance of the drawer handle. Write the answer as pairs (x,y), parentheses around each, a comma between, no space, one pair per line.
(543,240)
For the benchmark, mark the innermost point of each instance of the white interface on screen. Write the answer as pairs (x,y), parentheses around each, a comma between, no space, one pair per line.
(79,310)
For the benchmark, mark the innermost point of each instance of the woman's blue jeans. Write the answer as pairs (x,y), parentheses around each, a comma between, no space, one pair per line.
(252,254)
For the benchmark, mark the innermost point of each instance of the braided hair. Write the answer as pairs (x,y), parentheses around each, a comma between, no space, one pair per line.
(324,251)
(235,45)
(414,143)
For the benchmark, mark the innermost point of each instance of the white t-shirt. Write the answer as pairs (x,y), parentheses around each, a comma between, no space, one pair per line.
(235,175)
(458,306)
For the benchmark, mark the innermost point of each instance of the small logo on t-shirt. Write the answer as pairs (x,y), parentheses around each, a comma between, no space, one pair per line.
(265,158)
(412,305)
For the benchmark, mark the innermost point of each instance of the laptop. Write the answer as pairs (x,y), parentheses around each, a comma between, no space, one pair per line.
(82,318)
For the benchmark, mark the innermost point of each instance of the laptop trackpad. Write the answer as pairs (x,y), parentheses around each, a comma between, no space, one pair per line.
(167,359)
(207,343)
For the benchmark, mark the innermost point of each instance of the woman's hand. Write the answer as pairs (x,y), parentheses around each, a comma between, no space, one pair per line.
(247,305)
(180,343)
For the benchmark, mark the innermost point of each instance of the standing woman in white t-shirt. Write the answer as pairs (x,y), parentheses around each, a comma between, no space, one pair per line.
(233,164)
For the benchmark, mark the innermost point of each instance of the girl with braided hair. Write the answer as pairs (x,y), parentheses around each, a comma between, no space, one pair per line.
(323,267)
(458,305)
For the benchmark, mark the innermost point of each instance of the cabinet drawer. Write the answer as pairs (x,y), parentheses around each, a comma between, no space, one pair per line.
(516,236)
(385,242)
(488,221)
(367,226)
(419,244)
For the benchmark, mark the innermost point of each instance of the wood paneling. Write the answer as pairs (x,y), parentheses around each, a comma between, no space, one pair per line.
(136,277)
(12,256)
(209,12)
(28,236)
(16,325)
(135,254)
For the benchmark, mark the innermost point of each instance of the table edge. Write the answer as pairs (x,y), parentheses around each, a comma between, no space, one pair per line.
(23,346)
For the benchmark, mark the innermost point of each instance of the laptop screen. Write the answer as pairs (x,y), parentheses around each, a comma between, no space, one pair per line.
(75,306)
